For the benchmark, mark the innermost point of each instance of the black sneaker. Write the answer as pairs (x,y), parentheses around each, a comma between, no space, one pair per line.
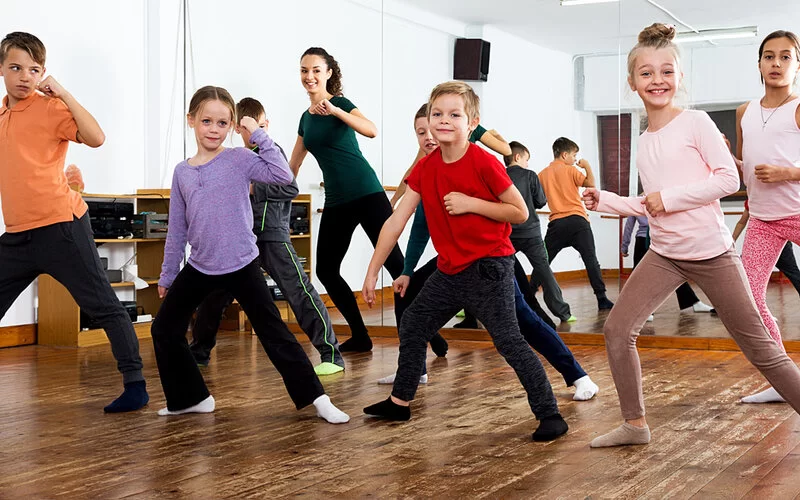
(439,345)
(356,344)
(604,304)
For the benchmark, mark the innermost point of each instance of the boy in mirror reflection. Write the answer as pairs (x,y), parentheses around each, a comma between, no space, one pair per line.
(569,222)
(527,237)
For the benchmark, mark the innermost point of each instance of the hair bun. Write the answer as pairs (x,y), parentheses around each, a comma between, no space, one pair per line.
(657,32)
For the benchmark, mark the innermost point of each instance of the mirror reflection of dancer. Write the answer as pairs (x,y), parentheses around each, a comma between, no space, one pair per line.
(685,169)
(353,194)
(768,130)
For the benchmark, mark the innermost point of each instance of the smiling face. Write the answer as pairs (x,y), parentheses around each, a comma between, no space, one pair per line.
(21,74)
(655,77)
(314,74)
(211,124)
(778,63)
(448,120)
(424,136)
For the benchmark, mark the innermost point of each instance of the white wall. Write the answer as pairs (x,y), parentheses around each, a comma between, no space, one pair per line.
(124,61)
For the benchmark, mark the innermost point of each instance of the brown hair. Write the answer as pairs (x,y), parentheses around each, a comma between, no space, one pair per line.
(780,34)
(472,103)
(23,41)
(422,112)
(250,107)
(658,36)
(211,93)
(517,148)
(334,85)
(564,145)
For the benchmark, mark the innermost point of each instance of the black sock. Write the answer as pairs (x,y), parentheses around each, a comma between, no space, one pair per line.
(389,410)
(439,345)
(356,344)
(132,398)
(550,428)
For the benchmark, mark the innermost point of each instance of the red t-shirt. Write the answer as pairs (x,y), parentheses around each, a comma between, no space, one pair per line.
(460,240)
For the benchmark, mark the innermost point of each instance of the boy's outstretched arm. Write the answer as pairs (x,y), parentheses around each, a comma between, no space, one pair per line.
(511,208)
(390,233)
(89,131)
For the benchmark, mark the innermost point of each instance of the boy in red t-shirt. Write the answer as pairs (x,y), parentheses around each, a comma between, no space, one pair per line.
(469,202)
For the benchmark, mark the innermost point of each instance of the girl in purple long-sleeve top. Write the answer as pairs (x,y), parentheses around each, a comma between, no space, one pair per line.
(210,209)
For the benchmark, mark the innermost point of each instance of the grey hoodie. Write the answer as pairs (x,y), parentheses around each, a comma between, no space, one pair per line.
(272,206)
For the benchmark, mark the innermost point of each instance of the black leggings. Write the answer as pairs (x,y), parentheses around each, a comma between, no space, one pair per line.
(335,232)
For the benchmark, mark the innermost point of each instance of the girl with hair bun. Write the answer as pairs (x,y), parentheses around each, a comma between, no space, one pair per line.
(685,169)
(353,194)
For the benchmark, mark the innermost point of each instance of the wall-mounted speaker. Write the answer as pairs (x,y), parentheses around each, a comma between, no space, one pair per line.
(471,60)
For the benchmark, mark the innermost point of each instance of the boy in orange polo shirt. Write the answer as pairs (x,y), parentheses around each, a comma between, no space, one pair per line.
(47,224)
(569,222)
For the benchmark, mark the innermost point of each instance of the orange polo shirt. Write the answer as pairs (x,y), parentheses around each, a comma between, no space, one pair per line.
(561,183)
(34,136)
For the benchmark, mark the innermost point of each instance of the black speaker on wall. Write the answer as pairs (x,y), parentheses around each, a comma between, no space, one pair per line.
(471,61)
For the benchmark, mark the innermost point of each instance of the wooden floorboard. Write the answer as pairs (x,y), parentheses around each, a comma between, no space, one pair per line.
(469,436)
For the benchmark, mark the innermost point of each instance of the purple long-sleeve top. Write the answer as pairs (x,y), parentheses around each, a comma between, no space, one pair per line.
(210,208)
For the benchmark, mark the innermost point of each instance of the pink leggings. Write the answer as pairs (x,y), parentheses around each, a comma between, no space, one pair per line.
(763,243)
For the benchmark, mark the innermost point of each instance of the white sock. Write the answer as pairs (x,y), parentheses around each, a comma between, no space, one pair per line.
(205,406)
(585,389)
(768,396)
(700,307)
(389,379)
(326,410)
(650,318)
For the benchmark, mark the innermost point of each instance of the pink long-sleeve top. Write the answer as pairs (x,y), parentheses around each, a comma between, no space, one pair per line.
(688,163)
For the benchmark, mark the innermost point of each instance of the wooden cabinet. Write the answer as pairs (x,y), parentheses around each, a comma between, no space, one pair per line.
(59,315)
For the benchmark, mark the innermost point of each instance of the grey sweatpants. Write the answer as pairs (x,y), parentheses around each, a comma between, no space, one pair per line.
(535,251)
(280,261)
(486,288)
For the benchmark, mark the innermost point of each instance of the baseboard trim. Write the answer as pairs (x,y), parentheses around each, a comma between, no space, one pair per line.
(574,339)
(18,335)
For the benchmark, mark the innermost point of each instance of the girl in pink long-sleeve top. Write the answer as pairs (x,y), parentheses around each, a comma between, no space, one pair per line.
(685,168)
(768,130)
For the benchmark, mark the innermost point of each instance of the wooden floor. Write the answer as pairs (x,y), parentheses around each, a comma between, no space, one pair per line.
(469,436)
(782,299)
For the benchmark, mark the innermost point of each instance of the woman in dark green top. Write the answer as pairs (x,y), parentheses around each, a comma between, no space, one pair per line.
(353,194)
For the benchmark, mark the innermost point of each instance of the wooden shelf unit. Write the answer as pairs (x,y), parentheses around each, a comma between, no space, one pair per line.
(59,315)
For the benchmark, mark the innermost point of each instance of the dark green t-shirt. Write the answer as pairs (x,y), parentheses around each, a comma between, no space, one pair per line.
(476,134)
(347,174)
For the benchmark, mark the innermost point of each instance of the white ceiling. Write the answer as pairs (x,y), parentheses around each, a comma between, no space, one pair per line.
(611,27)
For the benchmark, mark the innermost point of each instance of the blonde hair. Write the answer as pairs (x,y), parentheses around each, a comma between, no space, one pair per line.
(25,42)
(657,36)
(472,103)
(211,93)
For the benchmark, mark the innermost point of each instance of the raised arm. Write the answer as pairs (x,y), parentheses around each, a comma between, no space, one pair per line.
(89,131)
(511,207)
(589,181)
(353,118)
(723,182)
(494,141)
(269,165)
(401,188)
(390,233)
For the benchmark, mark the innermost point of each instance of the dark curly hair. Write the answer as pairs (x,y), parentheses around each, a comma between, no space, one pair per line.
(334,86)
